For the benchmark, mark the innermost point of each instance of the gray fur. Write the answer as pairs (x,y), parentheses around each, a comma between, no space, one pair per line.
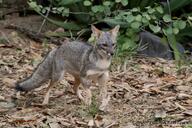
(77,58)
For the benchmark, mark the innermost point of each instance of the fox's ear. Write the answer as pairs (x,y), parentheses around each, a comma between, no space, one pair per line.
(95,31)
(115,30)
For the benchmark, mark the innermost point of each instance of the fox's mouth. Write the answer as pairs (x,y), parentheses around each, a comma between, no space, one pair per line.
(109,52)
(106,53)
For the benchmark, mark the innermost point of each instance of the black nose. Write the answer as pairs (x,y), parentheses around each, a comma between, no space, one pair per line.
(110,53)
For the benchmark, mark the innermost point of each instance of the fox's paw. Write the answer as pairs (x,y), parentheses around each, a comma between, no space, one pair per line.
(104,104)
(85,96)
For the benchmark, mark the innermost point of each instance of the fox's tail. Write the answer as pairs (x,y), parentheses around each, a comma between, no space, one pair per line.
(41,74)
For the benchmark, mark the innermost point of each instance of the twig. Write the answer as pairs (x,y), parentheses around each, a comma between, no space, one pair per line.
(110,125)
(44,19)
(180,106)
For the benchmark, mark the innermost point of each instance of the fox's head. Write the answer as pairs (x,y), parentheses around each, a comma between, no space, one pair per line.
(105,40)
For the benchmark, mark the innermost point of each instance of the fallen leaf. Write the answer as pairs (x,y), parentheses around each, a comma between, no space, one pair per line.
(2,98)
(180,106)
(188,112)
(183,96)
(183,88)
(168,78)
(64,122)
(146,67)
(54,125)
(81,122)
(7,105)
(91,123)
(189,79)
(160,114)
(129,125)
(110,125)
(23,119)
(9,82)
(189,101)
(148,85)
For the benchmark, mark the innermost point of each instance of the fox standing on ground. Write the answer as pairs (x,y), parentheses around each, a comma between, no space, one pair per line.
(82,60)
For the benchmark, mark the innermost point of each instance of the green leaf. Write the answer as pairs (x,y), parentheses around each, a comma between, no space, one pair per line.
(107,3)
(65,12)
(60,9)
(67,2)
(182,24)
(164,31)
(117,1)
(155,29)
(169,31)
(135,10)
(159,9)
(167,18)
(153,17)
(130,18)
(175,31)
(32,4)
(87,3)
(43,11)
(179,24)
(126,45)
(176,23)
(138,18)
(190,18)
(135,25)
(144,20)
(97,8)
(151,10)
(124,2)
(146,16)
(114,22)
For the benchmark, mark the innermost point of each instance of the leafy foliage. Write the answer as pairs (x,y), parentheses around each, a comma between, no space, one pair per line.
(132,15)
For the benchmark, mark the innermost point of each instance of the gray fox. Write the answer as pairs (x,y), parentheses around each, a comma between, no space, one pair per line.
(82,60)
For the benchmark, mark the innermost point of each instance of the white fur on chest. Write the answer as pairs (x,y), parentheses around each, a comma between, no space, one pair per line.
(103,63)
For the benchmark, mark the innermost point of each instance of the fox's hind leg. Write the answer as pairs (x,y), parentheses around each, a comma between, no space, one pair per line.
(76,84)
(56,75)
(46,97)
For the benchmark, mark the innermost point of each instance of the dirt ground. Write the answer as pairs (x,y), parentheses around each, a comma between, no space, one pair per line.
(145,93)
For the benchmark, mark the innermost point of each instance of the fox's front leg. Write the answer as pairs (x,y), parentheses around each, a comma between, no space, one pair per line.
(86,94)
(103,96)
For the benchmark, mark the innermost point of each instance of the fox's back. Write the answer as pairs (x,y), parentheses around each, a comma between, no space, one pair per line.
(74,54)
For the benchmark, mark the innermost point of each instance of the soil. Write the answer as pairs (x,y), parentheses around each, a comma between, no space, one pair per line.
(145,92)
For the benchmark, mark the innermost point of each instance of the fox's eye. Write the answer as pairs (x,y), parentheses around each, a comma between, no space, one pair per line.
(105,45)
(114,46)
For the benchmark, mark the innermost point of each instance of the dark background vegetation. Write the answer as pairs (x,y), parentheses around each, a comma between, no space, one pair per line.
(170,20)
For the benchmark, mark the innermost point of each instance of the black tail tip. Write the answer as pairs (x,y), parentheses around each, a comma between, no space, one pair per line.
(19,88)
